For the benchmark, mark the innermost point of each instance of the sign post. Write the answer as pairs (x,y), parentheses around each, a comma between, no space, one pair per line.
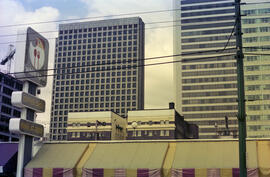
(31,66)
(25,141)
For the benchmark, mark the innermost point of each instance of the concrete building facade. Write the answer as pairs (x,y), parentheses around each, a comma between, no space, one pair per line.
(159,124)
(256,42)
(206,89)
(8,84)
(99,67)
(139,125)
(205,80)
(96,126)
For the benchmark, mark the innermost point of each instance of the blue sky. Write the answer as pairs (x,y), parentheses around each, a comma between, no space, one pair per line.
(66,7)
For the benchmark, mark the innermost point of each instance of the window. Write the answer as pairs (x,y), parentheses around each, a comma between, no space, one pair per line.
(162,132)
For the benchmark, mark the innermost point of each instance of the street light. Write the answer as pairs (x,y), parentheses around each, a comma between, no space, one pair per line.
(134,126)
(98,123)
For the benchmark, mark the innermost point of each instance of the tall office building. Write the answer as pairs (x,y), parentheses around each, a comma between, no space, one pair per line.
(205,80)
(96,70)
(256,42)
(8,84)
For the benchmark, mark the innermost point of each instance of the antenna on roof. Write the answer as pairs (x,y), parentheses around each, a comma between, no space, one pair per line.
(9,57)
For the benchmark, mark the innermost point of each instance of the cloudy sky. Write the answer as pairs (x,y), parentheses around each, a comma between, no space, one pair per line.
(158,36)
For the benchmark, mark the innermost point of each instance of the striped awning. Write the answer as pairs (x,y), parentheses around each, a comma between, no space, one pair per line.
(149,159)
(211,159)
(55,160)
(212,172)
(126,159)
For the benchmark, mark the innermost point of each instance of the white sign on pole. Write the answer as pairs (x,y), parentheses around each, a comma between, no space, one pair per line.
(22,99)
(31,64)
(31,59)
(26,127)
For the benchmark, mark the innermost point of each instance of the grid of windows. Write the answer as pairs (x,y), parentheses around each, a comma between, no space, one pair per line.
(206,81)
(97,69)
(256,67)
(8,84)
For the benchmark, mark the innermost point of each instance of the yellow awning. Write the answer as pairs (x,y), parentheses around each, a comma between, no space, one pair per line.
(212,155)
(58,156)
(129,159)
(264,158)
(127,155)
(55,159)
(201,158)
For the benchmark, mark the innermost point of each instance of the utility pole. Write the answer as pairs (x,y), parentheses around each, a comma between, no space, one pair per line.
(241,91)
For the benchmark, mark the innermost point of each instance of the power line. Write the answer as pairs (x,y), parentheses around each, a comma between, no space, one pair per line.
(122,67)
(145,12)
(87,18)
(167,21)
(121,62)
(101,64)
(206,51)
(105,16)
(168,26)
(56,37)
(150,23)
(8,35)
(230,36)
(108,69)
(205,58)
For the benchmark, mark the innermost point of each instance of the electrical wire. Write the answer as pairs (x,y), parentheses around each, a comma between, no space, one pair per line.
(105,16)
(101,64)
(42,32)
(230,36)
(56,36)
(158,27)
(87,18)
(102,70)
(206,51)
(121,62)
(150,23)
(81,72)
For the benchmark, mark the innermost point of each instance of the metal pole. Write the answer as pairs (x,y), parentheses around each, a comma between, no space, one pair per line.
(96,137)
(25,142)
(21,146)
(241,91)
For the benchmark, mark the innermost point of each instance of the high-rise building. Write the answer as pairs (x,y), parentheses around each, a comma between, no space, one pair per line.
(99,67)
(256,42)
(205,80)
(8,84)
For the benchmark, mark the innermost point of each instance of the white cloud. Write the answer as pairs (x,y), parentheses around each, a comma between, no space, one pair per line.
(15,13)
(158,42)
